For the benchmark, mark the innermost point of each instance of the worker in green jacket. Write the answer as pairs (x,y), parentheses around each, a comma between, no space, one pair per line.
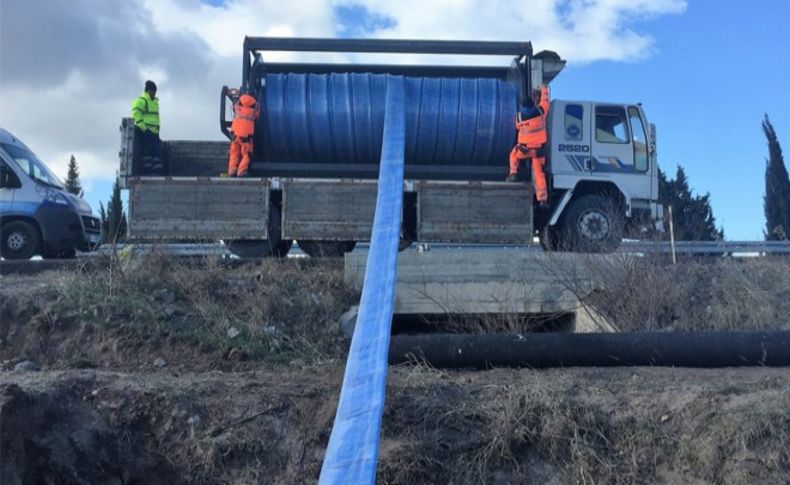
(145,113)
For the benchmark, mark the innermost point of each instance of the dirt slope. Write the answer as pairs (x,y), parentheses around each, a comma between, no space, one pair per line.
(157,373)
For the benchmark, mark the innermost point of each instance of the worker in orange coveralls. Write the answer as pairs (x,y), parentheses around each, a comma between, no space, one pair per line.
(246,113)
(532,138)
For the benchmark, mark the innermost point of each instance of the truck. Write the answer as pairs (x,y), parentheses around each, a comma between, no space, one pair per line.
(38,216)
(316,147)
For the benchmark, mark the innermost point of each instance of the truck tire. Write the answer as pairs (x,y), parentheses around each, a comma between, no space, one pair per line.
(20,240)
(259,248)
(326,249)
(592,224)
(263,248)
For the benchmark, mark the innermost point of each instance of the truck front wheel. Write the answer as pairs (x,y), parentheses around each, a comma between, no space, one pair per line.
(20,240)
(592,224)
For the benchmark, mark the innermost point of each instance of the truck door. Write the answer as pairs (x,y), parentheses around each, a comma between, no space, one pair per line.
(619,150)
(570,142)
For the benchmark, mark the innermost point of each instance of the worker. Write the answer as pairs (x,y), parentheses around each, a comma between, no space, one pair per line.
(245,114)
(145,114)
(531,143)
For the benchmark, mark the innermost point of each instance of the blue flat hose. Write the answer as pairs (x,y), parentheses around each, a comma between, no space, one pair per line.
(338,118)
(352,453)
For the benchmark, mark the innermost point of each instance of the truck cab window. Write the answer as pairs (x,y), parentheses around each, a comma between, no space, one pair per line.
(574,114)
(610,124)
(640,140)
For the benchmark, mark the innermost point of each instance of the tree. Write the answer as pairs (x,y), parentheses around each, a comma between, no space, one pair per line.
(73,183)
(776,202)
(115,229)
(692,214)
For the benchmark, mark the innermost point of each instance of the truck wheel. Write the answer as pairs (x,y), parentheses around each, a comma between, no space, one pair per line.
(258,248)
(20,240)
(592,224)
(326,249)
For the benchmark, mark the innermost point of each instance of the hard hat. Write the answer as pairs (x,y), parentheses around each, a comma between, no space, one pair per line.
(247,100)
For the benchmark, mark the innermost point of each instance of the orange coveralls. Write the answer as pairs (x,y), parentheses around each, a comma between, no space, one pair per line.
(532,138)
(243,128)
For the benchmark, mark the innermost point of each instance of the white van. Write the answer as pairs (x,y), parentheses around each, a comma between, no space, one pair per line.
(37,214)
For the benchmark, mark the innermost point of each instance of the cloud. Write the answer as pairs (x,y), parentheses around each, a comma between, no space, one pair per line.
(69,70)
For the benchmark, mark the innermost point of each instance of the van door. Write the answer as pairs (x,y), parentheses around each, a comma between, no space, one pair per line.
(619,150)
(9,183)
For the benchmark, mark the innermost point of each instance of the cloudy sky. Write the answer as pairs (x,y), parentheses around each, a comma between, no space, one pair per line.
(706,71)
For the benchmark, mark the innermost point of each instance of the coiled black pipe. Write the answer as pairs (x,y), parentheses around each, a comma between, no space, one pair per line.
(665,349)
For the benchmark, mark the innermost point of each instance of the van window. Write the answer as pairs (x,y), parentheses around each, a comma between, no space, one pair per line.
(610,124)
(31,165)
(640,140)
(9,178)
(574,114)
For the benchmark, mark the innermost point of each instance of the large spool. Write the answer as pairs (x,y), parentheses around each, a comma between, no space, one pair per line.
(338,118)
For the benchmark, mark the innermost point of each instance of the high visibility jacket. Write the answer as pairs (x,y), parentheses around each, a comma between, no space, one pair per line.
(532,131)
(246,113)
(145,113)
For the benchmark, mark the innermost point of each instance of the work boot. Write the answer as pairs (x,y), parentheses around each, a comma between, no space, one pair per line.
(512,178)
(241,174)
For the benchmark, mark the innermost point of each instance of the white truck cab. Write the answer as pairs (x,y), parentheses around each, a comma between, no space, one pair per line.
(38,216)
(603,149)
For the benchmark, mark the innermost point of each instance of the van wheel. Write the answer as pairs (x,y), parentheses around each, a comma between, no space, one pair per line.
(592,224)
(326,249)
(20,240)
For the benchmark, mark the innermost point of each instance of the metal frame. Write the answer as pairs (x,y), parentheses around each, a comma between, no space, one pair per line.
(381,46)
(253,66)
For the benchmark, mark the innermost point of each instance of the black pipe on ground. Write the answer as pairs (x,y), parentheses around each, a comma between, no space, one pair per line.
(664,349)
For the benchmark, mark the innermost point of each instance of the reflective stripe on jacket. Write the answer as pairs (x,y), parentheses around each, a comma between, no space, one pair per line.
(145,113)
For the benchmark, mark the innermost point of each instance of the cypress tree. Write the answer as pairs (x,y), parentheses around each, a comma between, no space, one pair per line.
(116,218)
(73,183)
(692,214)
(776,201)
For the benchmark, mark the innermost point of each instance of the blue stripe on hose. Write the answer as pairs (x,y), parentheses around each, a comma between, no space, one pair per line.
(353,448)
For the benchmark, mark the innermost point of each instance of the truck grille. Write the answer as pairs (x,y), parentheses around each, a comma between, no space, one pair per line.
(92,224)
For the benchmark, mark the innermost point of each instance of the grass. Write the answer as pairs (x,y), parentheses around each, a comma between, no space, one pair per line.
(274,310)
(650,293)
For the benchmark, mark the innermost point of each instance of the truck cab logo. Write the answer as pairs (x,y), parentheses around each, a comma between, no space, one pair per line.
(573,132)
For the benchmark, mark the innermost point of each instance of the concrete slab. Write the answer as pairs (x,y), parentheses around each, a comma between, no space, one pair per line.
(466,280)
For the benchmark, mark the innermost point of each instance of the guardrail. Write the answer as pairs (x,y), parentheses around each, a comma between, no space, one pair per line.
(732,248)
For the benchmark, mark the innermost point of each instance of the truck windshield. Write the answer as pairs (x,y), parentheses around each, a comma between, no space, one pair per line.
(32,166)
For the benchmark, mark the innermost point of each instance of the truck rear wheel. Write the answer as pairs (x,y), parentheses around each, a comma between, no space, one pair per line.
(263,248)
(259,248)
(20,240)
(592,224)
(326,249)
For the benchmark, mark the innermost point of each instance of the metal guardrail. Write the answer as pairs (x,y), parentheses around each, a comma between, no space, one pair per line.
(707,247)
(734,248)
